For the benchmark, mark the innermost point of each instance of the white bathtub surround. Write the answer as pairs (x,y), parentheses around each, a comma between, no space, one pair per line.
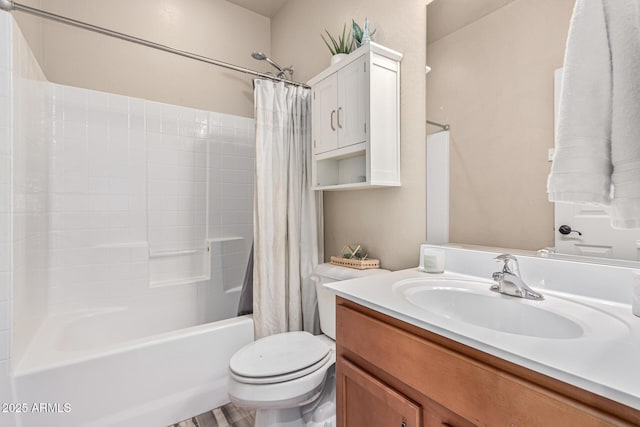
(149,382)
(287,213)
(597,160)
(150,222)
(6,205)
(23,200)
(595,346)
(31,193)
(146,196)
(92,187)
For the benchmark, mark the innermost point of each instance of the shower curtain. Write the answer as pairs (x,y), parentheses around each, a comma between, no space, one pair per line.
(287,216)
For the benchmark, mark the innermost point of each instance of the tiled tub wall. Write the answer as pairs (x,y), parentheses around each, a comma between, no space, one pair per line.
(98,230)
(147,195)
(5,205)
(23,197)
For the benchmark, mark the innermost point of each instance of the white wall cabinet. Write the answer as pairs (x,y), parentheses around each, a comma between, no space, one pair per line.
(356,121)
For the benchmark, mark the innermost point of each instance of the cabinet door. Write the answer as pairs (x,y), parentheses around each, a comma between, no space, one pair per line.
(353,102)
(325,120)
(364,401)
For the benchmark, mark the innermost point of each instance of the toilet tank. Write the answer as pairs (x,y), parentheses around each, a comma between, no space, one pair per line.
(327,273)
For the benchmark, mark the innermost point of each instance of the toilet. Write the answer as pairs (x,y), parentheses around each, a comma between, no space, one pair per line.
(289,378)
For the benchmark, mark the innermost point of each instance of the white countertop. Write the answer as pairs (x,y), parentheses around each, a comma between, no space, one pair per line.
(605,364)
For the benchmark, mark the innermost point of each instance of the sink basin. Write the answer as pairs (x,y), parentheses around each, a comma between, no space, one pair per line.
(472,303)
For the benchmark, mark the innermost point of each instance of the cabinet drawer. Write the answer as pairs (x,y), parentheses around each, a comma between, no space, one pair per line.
(476,391)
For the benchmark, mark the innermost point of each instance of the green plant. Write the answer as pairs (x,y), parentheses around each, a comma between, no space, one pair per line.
(344,44)
(358,33)
(358,254)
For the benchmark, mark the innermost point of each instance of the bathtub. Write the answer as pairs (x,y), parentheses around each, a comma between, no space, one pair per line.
(95,368)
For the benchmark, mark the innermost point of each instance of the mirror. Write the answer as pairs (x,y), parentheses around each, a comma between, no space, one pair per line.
(492,79)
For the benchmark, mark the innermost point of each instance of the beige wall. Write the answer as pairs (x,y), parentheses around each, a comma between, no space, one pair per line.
(492,81)
(214,28)
(447,16)
(390,223)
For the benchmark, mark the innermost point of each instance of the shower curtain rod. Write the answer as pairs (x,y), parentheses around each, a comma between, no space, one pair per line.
(9,5)
(444,127)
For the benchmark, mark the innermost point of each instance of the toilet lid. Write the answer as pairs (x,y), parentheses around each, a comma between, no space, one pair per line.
(279,354)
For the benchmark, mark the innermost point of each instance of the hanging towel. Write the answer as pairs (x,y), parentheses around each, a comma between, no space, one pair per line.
(597,156)
(624,33)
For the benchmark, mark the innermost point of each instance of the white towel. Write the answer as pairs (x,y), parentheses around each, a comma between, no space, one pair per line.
(624,32)
(597,156)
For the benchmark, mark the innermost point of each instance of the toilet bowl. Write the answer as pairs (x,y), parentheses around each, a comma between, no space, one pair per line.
(289,378)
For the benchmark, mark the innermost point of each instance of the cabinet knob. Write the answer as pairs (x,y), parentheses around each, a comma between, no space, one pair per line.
(333,114)
(339,124)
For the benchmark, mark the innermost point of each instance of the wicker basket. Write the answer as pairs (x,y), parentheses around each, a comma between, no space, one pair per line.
(355,263)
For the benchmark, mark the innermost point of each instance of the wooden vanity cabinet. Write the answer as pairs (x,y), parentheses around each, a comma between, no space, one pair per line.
(393,374)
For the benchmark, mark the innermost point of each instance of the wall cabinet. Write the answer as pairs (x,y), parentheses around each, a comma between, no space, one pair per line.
(392,374)
(356,121)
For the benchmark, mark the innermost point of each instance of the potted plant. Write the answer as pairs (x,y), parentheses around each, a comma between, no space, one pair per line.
(341,47)
(361,36)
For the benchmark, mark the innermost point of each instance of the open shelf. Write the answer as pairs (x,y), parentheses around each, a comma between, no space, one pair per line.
(346,169)
(180,266)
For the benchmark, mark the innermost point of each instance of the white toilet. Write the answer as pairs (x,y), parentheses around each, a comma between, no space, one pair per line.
(289,378)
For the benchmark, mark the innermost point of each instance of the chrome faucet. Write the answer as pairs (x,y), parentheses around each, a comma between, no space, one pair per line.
(509,281)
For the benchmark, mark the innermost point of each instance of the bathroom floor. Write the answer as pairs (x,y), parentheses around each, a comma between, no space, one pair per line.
(224,416)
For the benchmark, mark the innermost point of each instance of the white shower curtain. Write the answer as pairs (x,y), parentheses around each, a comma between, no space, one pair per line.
(287,217)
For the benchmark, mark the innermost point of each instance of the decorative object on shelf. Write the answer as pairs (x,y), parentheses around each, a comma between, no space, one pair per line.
(337,58)
(353,256)
(361,36)
(341,47)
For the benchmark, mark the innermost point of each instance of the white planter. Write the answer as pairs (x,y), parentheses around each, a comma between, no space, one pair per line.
(337,58)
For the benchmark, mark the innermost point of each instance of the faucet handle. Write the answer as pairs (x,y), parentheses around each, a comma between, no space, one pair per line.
(510,264)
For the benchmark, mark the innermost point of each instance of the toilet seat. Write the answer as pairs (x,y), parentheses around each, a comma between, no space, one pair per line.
(281,378)
(278,358)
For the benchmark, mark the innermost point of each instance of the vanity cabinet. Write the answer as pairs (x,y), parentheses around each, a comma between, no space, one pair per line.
(356,121)
(393,374)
